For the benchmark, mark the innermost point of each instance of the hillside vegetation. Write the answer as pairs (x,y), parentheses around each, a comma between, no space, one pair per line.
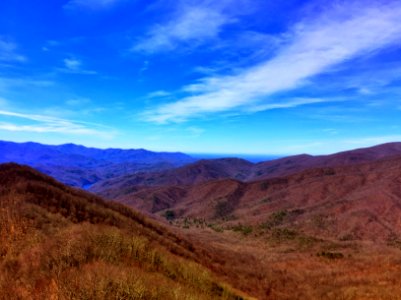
(358,202)
(238,169)
(330,232)
(60,243)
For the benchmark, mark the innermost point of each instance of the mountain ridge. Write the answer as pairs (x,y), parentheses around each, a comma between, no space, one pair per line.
(350,197)
(80,166)
(235,168)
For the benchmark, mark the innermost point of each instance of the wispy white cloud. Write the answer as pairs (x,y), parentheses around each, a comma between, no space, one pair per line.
(288,104)
(369,77)
(75,111)
(355,113)
(8,51)
(78,101)
(342,32)
(195,131)
(10,83)
(48,124)
(73,65)
(91,4)
(78,106)
(158,94)
(331,131)
(193,23)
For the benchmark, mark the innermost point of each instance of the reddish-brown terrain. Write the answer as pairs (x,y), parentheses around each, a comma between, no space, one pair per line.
(325,227)
(322,233)
(294,164)
(358,201)
(60,243)
(198,172)
(302,227)
(239,169)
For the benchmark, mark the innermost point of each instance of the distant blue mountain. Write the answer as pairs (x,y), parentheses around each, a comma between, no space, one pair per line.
(80,166)
(255,158)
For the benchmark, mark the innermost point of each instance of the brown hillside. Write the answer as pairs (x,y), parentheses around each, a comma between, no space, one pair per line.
(323,233)
(198,172)
(61,243)
(238,169)
(295,164)
(360,201)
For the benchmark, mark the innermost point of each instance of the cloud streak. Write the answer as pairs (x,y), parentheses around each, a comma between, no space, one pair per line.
(313,47)
(8,52)
(47,124)
(193,24)
(11,83)
(91,4)
(74,66)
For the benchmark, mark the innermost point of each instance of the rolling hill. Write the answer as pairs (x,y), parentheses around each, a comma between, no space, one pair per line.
(294,164)
(60,243)
(361,201)
(238,169)
(328,232)
(197,172)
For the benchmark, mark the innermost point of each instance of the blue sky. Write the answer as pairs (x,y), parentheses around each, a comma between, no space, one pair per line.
(228,76)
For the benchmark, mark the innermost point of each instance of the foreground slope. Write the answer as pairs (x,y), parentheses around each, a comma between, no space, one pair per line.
(60,243)
(81,166)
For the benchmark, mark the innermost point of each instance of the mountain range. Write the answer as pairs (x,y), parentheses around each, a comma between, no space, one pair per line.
(299,227)
(239,169)
(360,201)
(80,166)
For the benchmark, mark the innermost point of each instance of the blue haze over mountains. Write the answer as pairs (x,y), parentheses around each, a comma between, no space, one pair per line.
(81,167)
(99,169)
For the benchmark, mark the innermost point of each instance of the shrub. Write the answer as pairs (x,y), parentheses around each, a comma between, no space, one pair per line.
(169,215)
(216,227)
(394,241)
(282,234)
(275,219)
(266,200)
(320,221)
(244,229)
(330,255)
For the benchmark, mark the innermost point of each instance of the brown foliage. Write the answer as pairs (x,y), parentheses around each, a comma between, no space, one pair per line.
(61,243)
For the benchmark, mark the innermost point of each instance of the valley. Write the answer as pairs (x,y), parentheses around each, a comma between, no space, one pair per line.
(200,150)
(302,227)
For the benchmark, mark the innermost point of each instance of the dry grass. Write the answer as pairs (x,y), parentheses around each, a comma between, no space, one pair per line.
(58,243)
(271,269)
